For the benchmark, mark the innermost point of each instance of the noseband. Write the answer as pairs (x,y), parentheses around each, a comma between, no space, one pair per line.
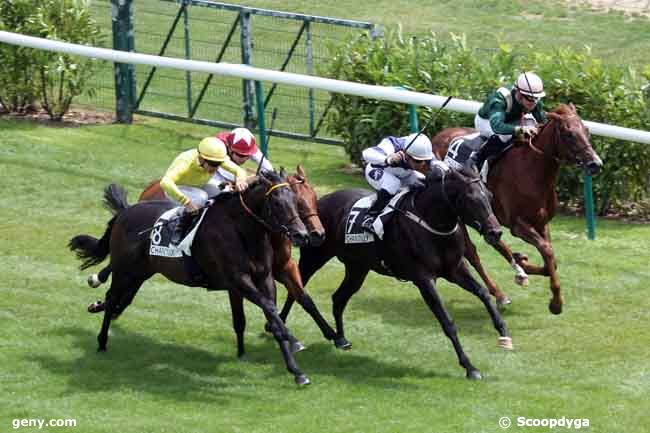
(280,228)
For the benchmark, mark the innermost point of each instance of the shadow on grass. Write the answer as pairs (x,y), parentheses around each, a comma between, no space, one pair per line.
(186,373)
(467,311)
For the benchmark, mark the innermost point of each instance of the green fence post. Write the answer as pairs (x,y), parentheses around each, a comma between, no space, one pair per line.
(122,25)
(188,56)
(589,208)
(247,59)
(413,118)
(261,124)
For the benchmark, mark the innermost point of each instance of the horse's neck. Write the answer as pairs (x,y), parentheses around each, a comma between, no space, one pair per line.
(546,143)
(431,205)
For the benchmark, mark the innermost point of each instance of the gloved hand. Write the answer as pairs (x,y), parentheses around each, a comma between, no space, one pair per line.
(241,185)
(527,130)
(191,208)
(395,159)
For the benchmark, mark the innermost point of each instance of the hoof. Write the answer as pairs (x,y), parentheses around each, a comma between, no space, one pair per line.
(101,349)
(93,281)
(302,380)
(342,343)
(474,375)
(520,258)
(521,280)
(297,346)
(505,343)
(96,307)
(555,308)
(503,301)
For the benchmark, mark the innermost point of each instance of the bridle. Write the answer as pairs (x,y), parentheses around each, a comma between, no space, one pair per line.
(277,228)
(557,140)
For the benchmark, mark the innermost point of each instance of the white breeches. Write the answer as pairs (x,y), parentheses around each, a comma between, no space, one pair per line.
(483,125)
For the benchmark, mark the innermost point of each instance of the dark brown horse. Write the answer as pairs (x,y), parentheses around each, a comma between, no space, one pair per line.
(232,247)
(285,269)
(523,183)
(422,242)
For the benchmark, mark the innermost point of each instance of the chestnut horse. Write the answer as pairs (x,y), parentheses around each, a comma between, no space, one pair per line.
(523,183)
(285,269)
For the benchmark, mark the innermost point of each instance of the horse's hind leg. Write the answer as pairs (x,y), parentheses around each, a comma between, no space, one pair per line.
(96,280)
(354,277)
(464,279)
(430,296)
(543,245)
(238,319)
(118,297)
(471,254)
(521,277)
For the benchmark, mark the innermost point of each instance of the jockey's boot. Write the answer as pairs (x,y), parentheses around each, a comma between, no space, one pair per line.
(184,223)
(383,197)
(492,147)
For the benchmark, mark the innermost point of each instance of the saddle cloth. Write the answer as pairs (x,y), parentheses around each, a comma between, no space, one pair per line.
(163,230)
(461,148)
(354,233)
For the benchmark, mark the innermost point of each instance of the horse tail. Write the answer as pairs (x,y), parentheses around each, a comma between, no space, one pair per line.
(90,249)
(115,198)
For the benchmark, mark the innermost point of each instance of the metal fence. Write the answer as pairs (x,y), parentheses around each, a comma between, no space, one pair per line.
(210,31)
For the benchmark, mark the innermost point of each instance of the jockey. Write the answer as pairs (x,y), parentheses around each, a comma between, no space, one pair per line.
(241,146)
(501,116)
(394,163)
(187,177)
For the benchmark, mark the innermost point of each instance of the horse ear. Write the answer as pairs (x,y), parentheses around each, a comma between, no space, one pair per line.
(283,172)
(573,107)
(300,170)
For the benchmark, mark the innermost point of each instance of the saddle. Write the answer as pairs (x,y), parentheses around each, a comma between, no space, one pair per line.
(163,245)
(355,233)
(461,148)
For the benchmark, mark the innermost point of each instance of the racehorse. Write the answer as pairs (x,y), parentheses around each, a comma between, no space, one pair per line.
(285,269)
(232,247)
(524,198)
(420,243)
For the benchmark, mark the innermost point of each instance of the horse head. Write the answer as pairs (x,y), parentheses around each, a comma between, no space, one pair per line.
(470,200)
(271,193)
(572,139)
(307,206)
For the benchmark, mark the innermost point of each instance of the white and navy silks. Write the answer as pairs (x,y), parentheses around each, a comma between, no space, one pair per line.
(221,176)
(382,176)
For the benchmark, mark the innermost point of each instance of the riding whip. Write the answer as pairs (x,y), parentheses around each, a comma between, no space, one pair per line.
(431,119)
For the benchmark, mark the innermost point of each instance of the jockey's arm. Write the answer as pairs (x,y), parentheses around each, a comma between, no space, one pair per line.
(377,154)
(235,170)
(498,120)
(174,174)
(266,164)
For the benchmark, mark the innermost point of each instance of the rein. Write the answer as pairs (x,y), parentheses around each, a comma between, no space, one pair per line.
(421,222)
(281,228)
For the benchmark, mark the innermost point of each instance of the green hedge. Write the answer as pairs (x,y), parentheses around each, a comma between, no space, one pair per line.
(450,67)
(52,80)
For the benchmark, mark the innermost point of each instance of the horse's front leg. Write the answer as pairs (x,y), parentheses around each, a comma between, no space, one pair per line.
(529,234)
(280,332)
(471,254)
(431,297)
(289,275)
(462,276)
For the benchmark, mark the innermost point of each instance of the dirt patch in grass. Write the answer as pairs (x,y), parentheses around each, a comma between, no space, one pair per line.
(73,118)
